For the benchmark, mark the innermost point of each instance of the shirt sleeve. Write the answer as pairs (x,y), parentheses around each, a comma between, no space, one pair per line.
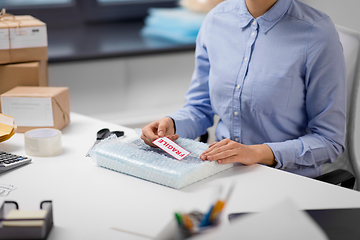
(325,104)
(197,115)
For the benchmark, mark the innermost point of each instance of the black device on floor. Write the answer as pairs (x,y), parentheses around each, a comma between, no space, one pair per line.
(338,224)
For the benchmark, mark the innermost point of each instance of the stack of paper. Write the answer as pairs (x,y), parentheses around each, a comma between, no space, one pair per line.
(28,216)
(7,129)
(175,24)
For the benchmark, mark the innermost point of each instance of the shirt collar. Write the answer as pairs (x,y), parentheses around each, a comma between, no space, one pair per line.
(269,19)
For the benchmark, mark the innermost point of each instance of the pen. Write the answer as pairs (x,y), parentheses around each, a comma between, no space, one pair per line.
(231,189)
(179,219)
(205,220)
(217,210)
(187,222)
(219,206)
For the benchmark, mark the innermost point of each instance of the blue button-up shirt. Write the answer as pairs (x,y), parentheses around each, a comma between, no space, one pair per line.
(277,80)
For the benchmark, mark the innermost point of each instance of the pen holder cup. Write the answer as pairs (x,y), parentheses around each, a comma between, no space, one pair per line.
(172,231)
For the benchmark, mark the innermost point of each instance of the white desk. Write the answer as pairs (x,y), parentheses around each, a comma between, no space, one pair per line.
(89,200)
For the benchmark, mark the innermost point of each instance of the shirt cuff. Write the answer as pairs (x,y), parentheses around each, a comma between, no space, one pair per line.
(184,127)
(284,153)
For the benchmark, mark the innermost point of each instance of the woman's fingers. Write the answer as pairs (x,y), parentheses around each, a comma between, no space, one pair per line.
(215,148)
(161,128)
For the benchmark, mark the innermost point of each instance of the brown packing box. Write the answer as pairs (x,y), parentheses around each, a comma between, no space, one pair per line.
(28,105)
(22,39)
(23,74)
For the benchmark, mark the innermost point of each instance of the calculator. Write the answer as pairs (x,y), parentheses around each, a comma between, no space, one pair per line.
(9,161)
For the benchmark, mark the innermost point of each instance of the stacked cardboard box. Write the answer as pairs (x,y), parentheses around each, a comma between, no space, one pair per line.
(23,62)
(37,107)
(22,39)
(23,74)
(23,52)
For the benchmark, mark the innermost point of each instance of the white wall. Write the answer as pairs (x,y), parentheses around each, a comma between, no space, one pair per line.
(130,91)
(342,12)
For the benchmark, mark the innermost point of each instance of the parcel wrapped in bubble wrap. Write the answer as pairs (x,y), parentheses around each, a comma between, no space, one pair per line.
(135,158)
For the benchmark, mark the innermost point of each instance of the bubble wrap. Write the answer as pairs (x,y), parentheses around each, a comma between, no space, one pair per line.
(137,159)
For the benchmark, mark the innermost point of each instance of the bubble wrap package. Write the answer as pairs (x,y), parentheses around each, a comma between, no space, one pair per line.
(135,158)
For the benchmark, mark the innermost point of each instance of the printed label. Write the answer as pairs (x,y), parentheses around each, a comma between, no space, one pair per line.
(4,39)
(29,112)
(28,37)
(6,189)
(171,148)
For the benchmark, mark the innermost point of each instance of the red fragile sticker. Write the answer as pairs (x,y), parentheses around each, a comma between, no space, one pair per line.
(171,148)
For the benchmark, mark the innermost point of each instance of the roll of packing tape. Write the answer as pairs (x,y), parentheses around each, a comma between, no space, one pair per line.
(43,142)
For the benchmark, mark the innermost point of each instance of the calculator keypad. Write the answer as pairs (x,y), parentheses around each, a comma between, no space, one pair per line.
(8,158)
(9,161)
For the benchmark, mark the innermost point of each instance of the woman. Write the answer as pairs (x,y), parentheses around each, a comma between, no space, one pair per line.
(274,72)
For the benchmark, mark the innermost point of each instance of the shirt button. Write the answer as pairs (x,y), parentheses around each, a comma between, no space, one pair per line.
(254,22)
(236,113)
(236,140)
(245,59)
(252,34)
(238,86)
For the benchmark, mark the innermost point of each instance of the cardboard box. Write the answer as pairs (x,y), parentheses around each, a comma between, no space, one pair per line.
(37,107)
(23,74)
(22,39)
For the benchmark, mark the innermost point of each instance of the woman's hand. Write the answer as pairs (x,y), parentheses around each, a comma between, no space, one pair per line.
(228,151)
(161,128)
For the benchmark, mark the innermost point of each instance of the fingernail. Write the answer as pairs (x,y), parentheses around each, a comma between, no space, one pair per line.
(219,161)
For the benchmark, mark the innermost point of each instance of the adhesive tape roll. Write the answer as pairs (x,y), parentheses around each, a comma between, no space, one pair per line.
(43,142)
